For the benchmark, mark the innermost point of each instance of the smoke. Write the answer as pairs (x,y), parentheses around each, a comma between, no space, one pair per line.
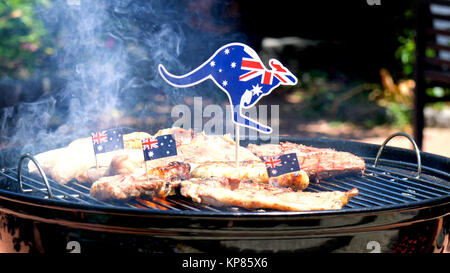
(106,55)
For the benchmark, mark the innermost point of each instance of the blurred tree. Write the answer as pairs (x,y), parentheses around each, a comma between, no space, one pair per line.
(24,43)
(405,53)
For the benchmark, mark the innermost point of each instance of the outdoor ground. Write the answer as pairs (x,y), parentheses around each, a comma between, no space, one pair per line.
(339,110)
(436,140)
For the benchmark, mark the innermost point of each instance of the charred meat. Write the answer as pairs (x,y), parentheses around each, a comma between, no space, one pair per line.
(221,192)
(161,182)
(250,170)
(316,162)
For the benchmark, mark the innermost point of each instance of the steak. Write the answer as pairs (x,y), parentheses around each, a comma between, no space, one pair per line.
(222,192)
(316,162)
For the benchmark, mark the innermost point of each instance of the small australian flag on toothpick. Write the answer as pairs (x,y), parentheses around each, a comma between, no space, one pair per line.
(159,147)
(278,165)
(107,140)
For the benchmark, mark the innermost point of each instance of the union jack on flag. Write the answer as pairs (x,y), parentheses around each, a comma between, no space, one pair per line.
(149,143)
(256,68)
(278,165)
(107,140)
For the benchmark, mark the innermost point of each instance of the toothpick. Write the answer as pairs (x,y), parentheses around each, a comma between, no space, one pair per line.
(236,136)
(145,164)
(146,171)
(96,161)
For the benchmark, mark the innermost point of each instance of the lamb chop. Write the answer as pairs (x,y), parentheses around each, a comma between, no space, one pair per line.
(316,162)
(221,192)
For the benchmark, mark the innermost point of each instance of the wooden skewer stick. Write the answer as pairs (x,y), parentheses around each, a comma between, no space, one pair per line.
(237,139)
(145,163)
(96,161)
(95,155)
(146,171)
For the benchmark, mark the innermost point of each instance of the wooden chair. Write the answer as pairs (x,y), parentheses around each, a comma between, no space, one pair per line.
(429,71)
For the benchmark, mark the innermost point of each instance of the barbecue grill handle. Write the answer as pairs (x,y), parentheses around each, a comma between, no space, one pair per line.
(44,177)
(419,163)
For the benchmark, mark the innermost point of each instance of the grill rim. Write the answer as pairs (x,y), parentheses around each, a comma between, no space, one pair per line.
(321,142)
(210,226)
(132,211)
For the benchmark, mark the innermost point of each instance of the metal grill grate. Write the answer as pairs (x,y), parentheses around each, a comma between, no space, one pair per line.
(378,187)
(384,186)
(393,183)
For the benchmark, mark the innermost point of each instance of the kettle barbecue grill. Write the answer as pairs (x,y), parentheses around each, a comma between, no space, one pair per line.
(403,206)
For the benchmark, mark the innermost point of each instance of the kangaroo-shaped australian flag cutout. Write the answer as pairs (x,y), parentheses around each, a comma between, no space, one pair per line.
(239,72)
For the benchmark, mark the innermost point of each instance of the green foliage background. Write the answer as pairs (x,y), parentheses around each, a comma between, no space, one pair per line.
(24,42)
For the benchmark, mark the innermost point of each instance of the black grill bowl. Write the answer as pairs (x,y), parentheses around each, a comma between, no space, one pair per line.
(394,212)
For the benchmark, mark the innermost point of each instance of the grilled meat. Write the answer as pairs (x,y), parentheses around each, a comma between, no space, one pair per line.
(126,186)
(192,148)
(122,174)
(77,160)
(225,192)
(316,162)
(204,148)
(250,170)
(173,171)
(161,182)
(133,161)
(182,136)
(216,191)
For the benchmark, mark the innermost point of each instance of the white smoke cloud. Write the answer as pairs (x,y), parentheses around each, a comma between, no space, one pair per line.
(106,56)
